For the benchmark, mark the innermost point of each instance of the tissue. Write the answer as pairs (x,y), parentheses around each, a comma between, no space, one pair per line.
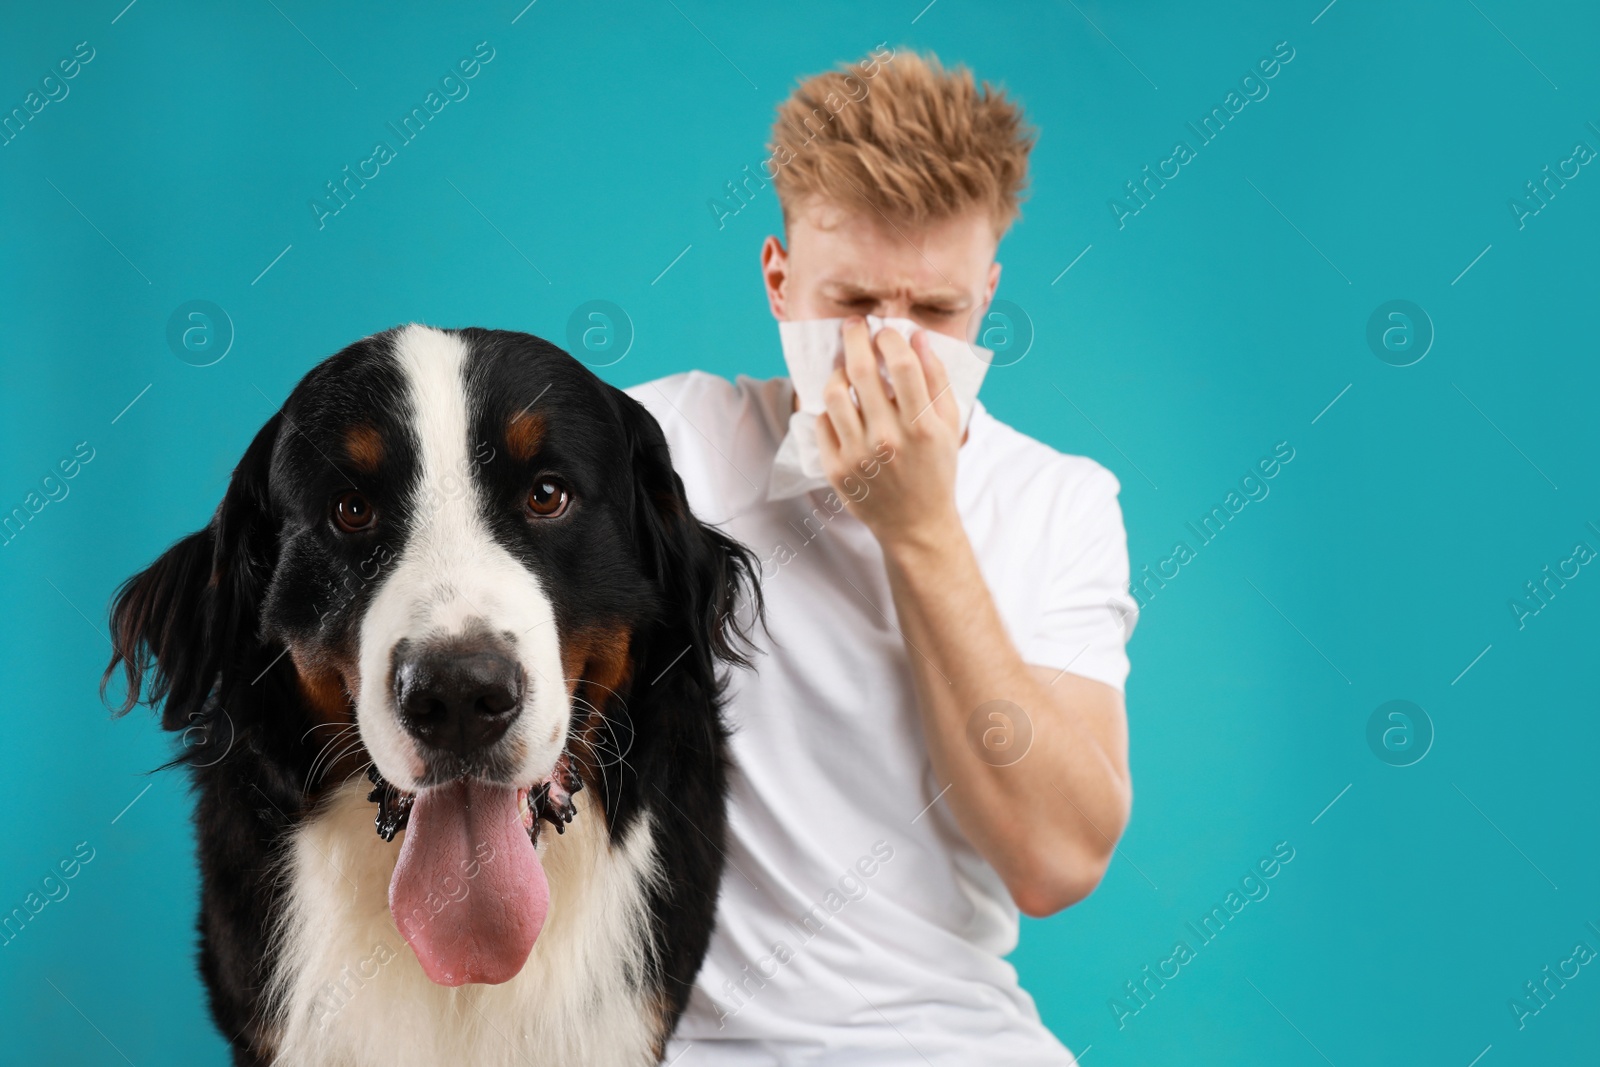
(812,348)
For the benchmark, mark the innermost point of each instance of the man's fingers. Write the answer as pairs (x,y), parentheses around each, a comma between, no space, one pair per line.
(843,417)
(828,445)
(941,402)
(905,371)
(861,364)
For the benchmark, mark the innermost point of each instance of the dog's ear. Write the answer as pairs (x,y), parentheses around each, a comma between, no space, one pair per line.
(191,616)
(703,573)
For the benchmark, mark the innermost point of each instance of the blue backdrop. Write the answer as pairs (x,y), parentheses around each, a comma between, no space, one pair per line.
(1429,542)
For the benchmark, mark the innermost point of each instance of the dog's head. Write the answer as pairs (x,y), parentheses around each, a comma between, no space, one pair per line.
(459,548)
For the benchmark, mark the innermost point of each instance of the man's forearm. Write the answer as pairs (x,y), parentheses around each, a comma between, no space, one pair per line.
(1048,821)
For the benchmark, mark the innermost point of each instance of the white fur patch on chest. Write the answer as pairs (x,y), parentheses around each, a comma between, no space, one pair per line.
(348,991)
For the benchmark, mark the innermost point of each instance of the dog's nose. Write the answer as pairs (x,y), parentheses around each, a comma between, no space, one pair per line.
(460,700)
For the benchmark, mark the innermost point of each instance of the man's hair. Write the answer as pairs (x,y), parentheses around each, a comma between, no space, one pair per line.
(899,133)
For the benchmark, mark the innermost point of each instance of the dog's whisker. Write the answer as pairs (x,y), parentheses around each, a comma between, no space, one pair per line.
(333,741)
(337,739)
(324,726)
(334,762)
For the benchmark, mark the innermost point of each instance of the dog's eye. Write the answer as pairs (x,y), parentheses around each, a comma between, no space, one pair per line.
(548,498)
(352,513)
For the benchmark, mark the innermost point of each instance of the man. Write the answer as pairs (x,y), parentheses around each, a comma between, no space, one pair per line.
(933,736)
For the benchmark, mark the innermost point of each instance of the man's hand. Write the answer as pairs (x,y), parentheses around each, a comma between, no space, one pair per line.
(893,457)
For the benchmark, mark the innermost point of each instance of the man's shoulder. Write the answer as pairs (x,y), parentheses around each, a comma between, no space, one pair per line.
(722,434)
(701,399)
(678,385)
(1028,464)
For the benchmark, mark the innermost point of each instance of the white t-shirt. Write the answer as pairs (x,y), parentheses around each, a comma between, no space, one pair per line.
(856,925)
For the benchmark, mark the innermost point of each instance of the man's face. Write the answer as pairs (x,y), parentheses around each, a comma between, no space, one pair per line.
(841,263)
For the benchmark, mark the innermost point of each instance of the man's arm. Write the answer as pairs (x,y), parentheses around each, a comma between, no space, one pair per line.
(1048,822)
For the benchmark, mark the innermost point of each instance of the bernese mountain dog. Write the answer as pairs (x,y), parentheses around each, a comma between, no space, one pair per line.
(447,661)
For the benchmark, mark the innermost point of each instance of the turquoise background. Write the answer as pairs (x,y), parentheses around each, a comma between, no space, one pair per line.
(1208,329)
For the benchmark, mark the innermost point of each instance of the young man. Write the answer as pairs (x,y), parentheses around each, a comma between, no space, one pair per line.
(933,736)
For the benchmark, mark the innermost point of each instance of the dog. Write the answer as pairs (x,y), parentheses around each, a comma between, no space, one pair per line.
(447,662)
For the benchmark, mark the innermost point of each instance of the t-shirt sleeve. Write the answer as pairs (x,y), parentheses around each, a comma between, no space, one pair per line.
(681,402)
(702,416)
(1086,615)
(656,396)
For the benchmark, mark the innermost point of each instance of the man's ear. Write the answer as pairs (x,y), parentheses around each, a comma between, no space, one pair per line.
(189,620)
(700,571)
(774,272)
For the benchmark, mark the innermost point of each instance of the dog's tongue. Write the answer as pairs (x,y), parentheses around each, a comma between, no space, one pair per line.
(468,893)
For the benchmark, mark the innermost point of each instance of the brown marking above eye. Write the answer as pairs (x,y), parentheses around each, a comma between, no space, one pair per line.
(524,433)
(364,446)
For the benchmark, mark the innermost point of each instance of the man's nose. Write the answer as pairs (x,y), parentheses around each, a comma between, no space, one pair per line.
(456,698)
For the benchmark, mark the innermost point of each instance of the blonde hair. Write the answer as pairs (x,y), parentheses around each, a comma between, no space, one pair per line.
(899,133)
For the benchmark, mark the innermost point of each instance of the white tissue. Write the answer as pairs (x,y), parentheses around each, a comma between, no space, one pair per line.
(811,350)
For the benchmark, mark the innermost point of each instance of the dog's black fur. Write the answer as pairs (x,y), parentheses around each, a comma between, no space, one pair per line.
(204,631)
